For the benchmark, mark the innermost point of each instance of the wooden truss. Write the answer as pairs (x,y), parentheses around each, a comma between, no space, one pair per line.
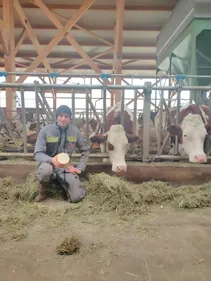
(63,26)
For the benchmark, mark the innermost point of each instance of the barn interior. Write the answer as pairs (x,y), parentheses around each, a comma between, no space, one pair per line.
(151,222)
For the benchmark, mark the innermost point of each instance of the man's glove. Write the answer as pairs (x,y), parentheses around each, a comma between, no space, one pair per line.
(72,169)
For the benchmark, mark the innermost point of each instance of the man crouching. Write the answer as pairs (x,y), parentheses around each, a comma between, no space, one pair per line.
(52,140)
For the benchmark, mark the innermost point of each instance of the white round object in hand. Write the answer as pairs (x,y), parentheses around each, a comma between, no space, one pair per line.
(63,158)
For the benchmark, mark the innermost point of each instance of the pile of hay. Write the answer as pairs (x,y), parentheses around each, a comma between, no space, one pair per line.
(113,194)
(69,246)
(108,197)
(18,211)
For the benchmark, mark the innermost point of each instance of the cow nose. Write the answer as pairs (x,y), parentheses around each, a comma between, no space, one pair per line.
(121,168)
(201,158)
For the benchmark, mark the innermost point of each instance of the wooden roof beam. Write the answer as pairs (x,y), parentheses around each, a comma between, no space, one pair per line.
(8,18)
(20,40)
(84,61)
(117,62)
(60,34)
(70,39)
(85,30)
(5,24)
(132,45)
(97,28)
(30,32)
(161,8)
(104,55)
(3,38)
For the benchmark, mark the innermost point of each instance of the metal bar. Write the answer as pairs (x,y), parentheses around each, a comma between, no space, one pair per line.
(93,108)
(160,121)
(24,121)
(173,157)
(44,109)
(197,102)
(122,108)
(87,115)
(37,107)
(176,147)
(115,87)
(74,155)
(42,96)
(73,107)
(164,144)
(83,75)
(104,111)
(104,116)
(156,93)
(146,126)
(134,118)
(8,127)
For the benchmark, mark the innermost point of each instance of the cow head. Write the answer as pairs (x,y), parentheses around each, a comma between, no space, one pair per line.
(191,134)
(117,144)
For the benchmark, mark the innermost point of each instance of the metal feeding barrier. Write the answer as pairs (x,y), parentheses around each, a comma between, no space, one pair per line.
(147,89)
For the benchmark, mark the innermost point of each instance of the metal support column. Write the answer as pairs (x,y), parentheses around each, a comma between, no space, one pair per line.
(104,115)
(122,107)
(160,121)
(134,117)
(24,121)
(37,106)
(87,115)
(146,117)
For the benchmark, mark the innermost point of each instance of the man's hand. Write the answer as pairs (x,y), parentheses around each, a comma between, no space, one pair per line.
(72,169)
(55,162)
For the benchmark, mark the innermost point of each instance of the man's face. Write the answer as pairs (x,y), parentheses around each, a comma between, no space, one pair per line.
(63,120)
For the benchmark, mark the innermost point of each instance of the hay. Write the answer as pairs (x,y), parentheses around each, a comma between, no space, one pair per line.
(108,199)
(69,246)
(17,212)
(106,194)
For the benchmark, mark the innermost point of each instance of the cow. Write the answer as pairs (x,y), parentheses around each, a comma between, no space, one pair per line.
(117,137)
(193,126)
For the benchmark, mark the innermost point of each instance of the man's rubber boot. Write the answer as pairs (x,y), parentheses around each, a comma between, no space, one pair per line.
(42,193)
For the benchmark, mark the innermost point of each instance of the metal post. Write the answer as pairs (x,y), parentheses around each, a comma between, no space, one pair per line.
(134,117)
(198,100)
(104,115)
(73,107)
(156,93)
(160,122)
(146,117)
(24,121)
(176,147)
(90,110)
(122,107)
(104,111)
(87,115)
(37,106)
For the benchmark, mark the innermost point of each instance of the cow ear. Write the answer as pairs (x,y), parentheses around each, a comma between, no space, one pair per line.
(174,130)
(208,128)
(131,138)
(98,138)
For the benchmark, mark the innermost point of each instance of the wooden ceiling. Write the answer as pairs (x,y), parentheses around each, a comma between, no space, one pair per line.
(83,36)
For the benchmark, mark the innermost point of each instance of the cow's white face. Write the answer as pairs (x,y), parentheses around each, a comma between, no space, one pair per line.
(117,145)
(192,133)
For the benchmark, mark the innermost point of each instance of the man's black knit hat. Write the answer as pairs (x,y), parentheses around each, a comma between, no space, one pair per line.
(64,109)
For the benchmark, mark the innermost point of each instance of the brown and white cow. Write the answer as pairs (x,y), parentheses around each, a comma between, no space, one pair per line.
(194,125)
(117,138)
